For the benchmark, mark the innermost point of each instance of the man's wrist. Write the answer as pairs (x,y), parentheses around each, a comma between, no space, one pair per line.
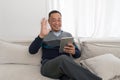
(41,36)
(73,53)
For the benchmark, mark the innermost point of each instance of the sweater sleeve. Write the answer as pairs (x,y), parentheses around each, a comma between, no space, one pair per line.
(77,52)
(35,45)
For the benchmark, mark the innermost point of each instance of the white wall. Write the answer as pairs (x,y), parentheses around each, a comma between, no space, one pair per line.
(20,19)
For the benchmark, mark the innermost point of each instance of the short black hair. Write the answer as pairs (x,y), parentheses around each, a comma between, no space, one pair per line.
(54,11)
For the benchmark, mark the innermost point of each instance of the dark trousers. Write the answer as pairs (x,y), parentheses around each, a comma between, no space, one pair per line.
(65,66)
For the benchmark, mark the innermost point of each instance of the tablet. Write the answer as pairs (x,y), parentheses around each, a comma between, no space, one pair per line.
(63,42)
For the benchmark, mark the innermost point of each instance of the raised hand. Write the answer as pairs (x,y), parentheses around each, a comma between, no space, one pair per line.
(44,29)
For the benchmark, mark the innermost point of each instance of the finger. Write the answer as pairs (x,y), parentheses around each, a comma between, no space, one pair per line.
(44,21)
(70,45)
(68,51)
(68,48)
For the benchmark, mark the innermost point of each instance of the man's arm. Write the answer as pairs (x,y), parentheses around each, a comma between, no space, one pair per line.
(77,52)
(35,45)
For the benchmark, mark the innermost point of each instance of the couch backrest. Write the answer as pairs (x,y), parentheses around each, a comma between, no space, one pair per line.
(91,47)
(17,54)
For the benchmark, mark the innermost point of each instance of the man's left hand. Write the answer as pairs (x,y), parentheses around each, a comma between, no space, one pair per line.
(69,48)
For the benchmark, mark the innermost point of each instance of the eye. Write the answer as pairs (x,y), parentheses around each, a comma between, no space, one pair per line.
(54,20)
(59,20)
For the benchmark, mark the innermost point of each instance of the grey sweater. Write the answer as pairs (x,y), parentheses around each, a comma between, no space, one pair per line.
(50,46)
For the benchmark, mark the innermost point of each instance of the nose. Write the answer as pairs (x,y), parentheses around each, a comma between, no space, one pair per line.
(57,22)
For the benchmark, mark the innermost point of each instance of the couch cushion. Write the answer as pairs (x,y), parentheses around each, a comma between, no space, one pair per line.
(106,66)
(20,72)
(15,53)
(94,47)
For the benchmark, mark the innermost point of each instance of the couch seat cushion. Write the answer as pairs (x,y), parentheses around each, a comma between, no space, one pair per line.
(20,72)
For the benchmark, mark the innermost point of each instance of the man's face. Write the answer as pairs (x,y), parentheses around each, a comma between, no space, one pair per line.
(55,21)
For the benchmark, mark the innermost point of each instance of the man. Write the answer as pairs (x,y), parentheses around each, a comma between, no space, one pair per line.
(54,64)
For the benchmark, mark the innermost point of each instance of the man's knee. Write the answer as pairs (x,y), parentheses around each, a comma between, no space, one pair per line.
(64,58)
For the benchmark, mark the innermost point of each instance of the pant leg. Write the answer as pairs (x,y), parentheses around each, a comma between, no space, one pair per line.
(65,65)
(52,68)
